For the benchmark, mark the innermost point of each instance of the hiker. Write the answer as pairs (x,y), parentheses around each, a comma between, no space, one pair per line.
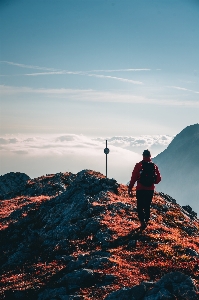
(146,174)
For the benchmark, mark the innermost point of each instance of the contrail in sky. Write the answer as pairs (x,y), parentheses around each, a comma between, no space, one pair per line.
(183,89)
(51,71)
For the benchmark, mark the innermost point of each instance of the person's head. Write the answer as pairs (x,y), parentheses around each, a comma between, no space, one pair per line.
(146,153)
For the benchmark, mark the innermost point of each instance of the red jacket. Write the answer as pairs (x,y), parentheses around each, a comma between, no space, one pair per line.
(136,175)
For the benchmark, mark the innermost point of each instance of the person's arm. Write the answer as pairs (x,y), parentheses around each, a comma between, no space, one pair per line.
(158,176)
(134,178)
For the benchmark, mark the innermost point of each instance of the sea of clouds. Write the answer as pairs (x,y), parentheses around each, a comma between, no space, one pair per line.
(44,154)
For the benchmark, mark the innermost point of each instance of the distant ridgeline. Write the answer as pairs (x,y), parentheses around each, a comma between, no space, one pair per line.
(75,236)
(179,165)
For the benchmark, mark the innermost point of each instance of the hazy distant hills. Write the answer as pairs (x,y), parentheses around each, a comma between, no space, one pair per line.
(179,167)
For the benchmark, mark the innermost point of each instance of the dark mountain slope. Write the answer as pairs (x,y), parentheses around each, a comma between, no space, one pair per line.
(82,242)
(179,166)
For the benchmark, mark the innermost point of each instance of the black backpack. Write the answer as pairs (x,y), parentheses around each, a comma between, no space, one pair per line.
(147,173)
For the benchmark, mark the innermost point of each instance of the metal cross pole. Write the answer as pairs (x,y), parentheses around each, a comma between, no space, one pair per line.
(106,151)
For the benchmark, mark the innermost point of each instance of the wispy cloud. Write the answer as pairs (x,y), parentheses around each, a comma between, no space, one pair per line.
(55,73)
(76,94)
(116,78)
(94,96)
(12,90)
(183,89)
(84,74)
(102,96)
(121,70)
(26,66)
(51,71)
(44,73)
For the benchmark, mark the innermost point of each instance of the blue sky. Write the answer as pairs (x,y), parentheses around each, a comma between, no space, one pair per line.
(98,68)
(126,67)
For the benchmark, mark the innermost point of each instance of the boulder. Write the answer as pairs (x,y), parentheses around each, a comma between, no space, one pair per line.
(174,285)
(134,293)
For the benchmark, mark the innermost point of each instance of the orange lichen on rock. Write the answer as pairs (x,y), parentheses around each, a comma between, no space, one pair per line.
(7,207)
(34,276)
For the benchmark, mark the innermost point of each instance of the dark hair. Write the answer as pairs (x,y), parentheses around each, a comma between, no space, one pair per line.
(146,153)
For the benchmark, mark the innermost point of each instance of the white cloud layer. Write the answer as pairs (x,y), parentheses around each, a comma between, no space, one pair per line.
(156,143)
(38,155)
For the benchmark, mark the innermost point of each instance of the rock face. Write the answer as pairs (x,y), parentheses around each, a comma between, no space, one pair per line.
(175,285)
(76,236)
(12,183)
(179,165)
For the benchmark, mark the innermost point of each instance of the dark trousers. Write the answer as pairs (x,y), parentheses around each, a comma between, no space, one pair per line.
(144,199)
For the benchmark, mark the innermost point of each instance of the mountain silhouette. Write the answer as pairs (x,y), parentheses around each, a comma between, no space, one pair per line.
(179,165)
(77,236)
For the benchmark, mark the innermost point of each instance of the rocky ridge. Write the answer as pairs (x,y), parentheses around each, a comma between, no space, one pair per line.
(76,236)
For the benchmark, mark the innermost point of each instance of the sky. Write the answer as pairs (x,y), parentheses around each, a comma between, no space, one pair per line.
(91,70)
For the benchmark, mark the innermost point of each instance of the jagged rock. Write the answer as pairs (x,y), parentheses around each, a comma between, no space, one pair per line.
(98,263)
(20,295)
(175,285)
(58,293)
(148,284)
(91,227)
(132,244)
(80,278)
(189,230)
(75,265)
(163,294)
(134,293)
(104,237)
(168,198)
(191,252)
(172,286)
(190,211)
(12,183)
